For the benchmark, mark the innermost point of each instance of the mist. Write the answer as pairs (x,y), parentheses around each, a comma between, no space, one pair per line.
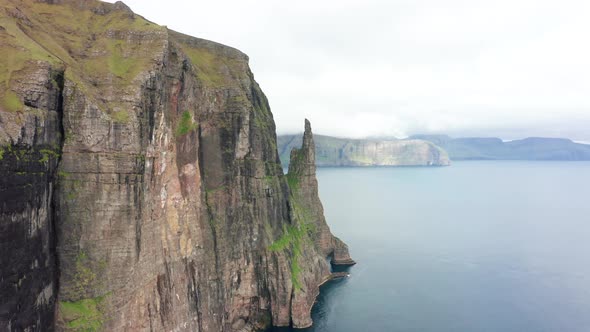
(503,68)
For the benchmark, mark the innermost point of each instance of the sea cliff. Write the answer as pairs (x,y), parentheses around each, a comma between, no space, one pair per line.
(141,187)
(493,148)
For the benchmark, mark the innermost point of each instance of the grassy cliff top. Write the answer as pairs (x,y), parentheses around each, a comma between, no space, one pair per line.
(105,49)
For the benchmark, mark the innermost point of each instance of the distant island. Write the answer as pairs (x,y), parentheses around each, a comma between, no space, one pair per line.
(332,151)
(492,148)
(432,150)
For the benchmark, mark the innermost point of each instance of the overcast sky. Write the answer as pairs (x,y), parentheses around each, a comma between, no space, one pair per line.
(507,68)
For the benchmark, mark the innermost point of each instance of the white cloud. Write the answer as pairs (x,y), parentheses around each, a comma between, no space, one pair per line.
(508,68)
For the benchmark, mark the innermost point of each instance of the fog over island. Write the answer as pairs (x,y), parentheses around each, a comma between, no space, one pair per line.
(503,68)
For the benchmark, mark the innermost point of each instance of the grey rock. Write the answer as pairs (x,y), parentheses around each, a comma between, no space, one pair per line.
(156,198)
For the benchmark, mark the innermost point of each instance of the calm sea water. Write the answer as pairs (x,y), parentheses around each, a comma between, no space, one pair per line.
(495,246)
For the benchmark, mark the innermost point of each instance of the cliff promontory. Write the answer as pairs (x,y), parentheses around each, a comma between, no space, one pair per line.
(493,148)
(141,187)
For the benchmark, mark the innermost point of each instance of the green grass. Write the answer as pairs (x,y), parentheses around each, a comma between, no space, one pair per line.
(207,66)
(47,154)
(65,35)
(122,59)
(20,154)
(83,315)
(16,48)
(285,240)
(120,116)
(120,65)
(293,181)
(293,236)
(186,124)
(84,278)
(1,153)
(213,70)
(295,270)
(11,102)
(269,180)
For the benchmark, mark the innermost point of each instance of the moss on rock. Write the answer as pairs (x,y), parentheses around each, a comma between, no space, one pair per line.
(186,124)
(292,238)
(83,315)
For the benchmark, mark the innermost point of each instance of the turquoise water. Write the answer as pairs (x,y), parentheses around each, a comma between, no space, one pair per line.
(495,246)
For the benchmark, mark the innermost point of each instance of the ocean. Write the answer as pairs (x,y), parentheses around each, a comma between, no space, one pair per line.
(494,246)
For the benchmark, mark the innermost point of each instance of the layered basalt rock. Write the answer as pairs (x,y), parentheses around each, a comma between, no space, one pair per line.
(30,147)
(141,186)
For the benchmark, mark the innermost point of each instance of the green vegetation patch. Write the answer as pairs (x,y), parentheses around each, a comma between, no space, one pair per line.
(269,180)
(120,116)
(207,66)
(293,181)
(65,34)
(116,57)
(214,70)
(26,153)
(46,154)
(11,102)
(85,275)
(83,315)
(295,270)
(16,48)
(186,124)
(119,64)
(293,236)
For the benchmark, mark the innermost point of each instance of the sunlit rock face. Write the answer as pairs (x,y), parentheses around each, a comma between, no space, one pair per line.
(141,187)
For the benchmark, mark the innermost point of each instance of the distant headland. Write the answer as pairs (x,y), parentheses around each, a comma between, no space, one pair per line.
(432,150)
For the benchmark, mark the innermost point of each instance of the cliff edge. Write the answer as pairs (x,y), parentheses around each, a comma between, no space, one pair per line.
(141,187)
(493,148)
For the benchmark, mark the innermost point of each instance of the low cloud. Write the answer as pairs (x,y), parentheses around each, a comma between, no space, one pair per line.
(359,68)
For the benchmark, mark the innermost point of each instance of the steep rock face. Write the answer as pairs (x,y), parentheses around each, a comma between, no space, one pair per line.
(304,186)
(332,151)
(309,214)
(30,145)
(156,200)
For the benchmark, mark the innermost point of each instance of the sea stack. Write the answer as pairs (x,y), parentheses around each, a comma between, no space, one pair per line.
(304,190)
(308,214)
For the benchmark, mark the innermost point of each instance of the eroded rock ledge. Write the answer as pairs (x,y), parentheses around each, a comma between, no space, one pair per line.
(141,186)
